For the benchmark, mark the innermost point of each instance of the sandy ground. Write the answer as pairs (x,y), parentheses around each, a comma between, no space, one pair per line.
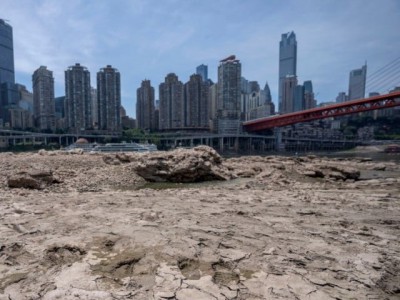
(272,233)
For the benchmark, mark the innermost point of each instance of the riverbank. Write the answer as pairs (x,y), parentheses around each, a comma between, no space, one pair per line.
(280,228)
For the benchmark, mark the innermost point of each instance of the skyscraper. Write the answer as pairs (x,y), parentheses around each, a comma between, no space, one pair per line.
(229,87)
(287,62)
(196,102)
(289,85)
(171,103)
(309,100)
(298,98)
(341,97)
(267,93)
(8,89)
(357,81)
(43,99)
(78,106)
(202,70)
(109,99)
(6,53)
(145,106)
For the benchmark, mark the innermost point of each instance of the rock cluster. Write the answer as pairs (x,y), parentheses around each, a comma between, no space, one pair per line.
(183,165)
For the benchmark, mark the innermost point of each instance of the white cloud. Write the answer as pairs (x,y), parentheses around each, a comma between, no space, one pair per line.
(149,38)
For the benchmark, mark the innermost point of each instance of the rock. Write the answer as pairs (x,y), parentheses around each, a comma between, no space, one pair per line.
(78,151)
(246,173)
(188,294)
(347,172)
(183,165)
(310,172)
(365,159)
(270,251)
(379,167)
(42,152)
(24,181)
(123,157)
(43,175)
(32,179)
(232,255)
(336,175)
(109,160)
(164,295)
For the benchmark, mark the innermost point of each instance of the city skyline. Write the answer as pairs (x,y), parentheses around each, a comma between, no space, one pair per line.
(150,40)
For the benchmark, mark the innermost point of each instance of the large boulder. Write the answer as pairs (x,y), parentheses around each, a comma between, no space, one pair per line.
(32,179)
(201,163)
(332,171)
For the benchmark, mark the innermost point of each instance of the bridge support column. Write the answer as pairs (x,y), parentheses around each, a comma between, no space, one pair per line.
(278,139)
(221,144)
(236,144)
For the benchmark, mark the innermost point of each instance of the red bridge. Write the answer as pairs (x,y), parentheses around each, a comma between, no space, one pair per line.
(335,110)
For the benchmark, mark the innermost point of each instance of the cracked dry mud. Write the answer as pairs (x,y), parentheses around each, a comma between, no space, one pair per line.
(284,229)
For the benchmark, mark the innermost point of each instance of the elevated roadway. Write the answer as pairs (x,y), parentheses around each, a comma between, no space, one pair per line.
(335,110)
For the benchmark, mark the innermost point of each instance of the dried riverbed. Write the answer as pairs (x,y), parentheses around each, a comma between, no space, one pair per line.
(285,228)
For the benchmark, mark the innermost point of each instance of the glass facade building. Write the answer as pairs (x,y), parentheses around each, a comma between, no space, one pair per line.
(287,62)
(357,81)
(8,89)
(202,70)
(6,53)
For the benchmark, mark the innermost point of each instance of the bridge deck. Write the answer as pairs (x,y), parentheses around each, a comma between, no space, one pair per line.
(335,110)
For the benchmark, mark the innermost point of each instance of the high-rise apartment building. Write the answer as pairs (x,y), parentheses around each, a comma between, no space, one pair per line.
(287,63)
(145,106)
(78,105)
(341,97)
(25,98)
(95,108)
(229,94)
(258,102)
(8,89)
(196,93)
(357,80)
(309,100)
(254,86)
(202,70)
(289,85)
(109,99)
(171,103)
(43,99)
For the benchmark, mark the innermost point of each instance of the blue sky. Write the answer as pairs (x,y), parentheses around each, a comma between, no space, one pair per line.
(146,39)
